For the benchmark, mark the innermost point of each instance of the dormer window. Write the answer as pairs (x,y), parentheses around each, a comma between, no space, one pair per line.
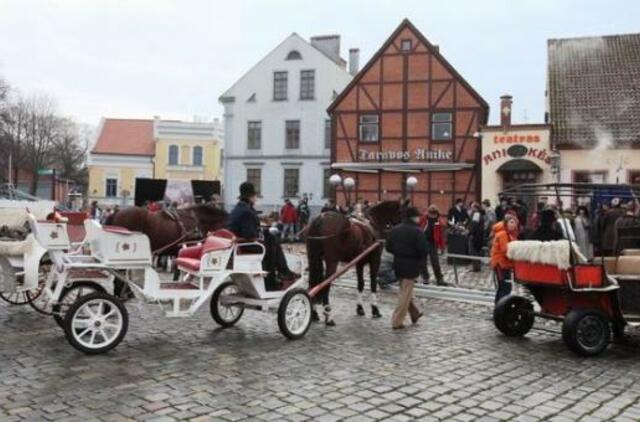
(294,55)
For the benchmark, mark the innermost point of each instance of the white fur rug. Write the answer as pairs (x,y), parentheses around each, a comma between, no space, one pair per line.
(18,247)
(555,252)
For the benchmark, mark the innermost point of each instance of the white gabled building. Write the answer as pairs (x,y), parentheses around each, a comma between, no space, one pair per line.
(277,131)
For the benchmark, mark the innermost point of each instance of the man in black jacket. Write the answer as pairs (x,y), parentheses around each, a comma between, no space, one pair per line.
(244,223)
(408,245)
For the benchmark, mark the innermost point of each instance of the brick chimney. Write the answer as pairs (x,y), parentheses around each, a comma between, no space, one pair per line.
(354,61)
(505,110)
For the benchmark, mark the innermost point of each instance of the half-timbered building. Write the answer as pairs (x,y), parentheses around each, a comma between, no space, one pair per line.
(408,112)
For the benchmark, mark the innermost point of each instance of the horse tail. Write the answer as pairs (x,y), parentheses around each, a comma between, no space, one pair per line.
(315,252)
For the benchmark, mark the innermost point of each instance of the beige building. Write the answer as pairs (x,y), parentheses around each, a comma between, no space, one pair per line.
(594,107)
(514,154)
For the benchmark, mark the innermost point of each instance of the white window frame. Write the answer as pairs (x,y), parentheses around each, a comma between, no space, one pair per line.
(107,178)
(193,156)
(362,124)
(169,155)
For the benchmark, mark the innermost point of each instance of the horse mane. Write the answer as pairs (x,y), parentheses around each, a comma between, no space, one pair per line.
(385,213)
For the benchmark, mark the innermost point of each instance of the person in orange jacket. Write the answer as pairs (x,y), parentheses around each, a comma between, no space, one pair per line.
(503,233)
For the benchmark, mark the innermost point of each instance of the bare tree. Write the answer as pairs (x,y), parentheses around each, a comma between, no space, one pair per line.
(69,151)
(4,138)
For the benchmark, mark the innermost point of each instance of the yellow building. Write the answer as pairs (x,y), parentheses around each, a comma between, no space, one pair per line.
(186,151)
(128,149)
(123,151)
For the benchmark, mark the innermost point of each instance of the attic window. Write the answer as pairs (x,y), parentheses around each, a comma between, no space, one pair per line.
(294,55)
(405,45)
(252,98)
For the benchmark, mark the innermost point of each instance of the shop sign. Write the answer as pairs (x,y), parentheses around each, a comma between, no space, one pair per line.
(516,139)
(403,155)
(518,151)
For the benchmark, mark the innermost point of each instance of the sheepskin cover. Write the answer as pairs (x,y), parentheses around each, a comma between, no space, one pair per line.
(17,247)
(556,252)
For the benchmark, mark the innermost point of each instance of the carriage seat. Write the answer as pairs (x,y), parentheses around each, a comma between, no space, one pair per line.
(117,230)
(191,256)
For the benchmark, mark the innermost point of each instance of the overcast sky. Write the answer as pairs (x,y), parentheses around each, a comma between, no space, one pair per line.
(140,58)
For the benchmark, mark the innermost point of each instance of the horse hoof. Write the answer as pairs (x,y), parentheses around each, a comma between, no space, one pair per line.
(314,316)
(330,323)
(360,310)
(375,312)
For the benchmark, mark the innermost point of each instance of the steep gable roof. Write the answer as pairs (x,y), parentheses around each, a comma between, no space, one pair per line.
(406,24)
(125,137)
(594,90)
(228,94)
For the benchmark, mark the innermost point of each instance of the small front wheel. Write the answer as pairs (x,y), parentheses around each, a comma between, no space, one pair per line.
(513,316)
(69,295)
(96,323)
(294,314)
(224,313)
(586,332)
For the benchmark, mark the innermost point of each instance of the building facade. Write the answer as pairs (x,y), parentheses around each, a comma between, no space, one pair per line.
(593,101)
(514,154)
(277,131)
(123,151)
(129,149)
(408,112)
(187,151)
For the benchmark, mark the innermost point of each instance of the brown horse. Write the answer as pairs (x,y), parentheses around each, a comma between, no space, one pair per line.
(167,230)
(332,238)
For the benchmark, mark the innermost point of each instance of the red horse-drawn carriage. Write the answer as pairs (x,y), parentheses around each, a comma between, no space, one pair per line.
(592,298)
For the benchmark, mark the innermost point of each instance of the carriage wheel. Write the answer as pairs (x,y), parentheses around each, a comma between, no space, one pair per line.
(16,298)
(586,332)
(513,316)
(37,301)
(294,314)
(96,323)
(225,315)
(70,295)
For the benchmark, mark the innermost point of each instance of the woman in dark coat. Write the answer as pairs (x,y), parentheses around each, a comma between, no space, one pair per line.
(548,229)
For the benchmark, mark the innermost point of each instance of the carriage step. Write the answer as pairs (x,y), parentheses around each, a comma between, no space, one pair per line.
(178,286)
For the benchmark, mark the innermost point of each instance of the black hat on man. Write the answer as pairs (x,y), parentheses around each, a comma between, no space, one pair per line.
(247,190)
(411,212)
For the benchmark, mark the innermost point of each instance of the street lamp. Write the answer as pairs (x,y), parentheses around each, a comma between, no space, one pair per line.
(349,184)
(412,181)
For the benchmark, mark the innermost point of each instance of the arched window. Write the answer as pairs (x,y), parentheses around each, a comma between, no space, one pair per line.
(294,55)
(173,155)
(197,156)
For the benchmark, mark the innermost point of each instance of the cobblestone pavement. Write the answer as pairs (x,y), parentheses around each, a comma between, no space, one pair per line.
(452,366)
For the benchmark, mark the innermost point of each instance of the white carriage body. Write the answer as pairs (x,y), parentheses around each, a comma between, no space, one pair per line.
(118,248)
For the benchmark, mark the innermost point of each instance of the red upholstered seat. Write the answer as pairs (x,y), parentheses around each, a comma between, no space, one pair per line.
(190,257)
(188,263)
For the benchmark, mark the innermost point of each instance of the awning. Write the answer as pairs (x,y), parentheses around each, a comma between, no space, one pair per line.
(400,167)
(519,165)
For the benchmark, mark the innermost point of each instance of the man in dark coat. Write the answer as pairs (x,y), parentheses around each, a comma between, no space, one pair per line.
(244,223)
(609,227)
(548,228)
(408,245)
(457,214)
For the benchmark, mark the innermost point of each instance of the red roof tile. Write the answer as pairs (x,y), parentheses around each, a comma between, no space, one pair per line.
(126,137)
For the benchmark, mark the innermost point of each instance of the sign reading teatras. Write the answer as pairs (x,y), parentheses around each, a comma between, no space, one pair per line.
(418,154)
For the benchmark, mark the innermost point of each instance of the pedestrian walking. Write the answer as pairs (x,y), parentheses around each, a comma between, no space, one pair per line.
(458,214)
(504,232)
(408,245)
(430,224)
(476,235)
(288,216)
(583,232)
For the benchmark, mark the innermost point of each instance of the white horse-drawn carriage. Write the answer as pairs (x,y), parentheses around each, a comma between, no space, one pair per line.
(85,287)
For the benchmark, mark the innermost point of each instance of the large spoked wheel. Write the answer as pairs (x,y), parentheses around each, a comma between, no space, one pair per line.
(586,332)
(15,298)
(96,323)
(513,316)
(226,314)
(70,295)
(294,314)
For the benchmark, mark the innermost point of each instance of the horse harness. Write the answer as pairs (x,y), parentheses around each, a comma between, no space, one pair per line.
(173,215)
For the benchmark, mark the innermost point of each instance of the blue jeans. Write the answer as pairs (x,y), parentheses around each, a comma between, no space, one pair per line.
(504,287)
